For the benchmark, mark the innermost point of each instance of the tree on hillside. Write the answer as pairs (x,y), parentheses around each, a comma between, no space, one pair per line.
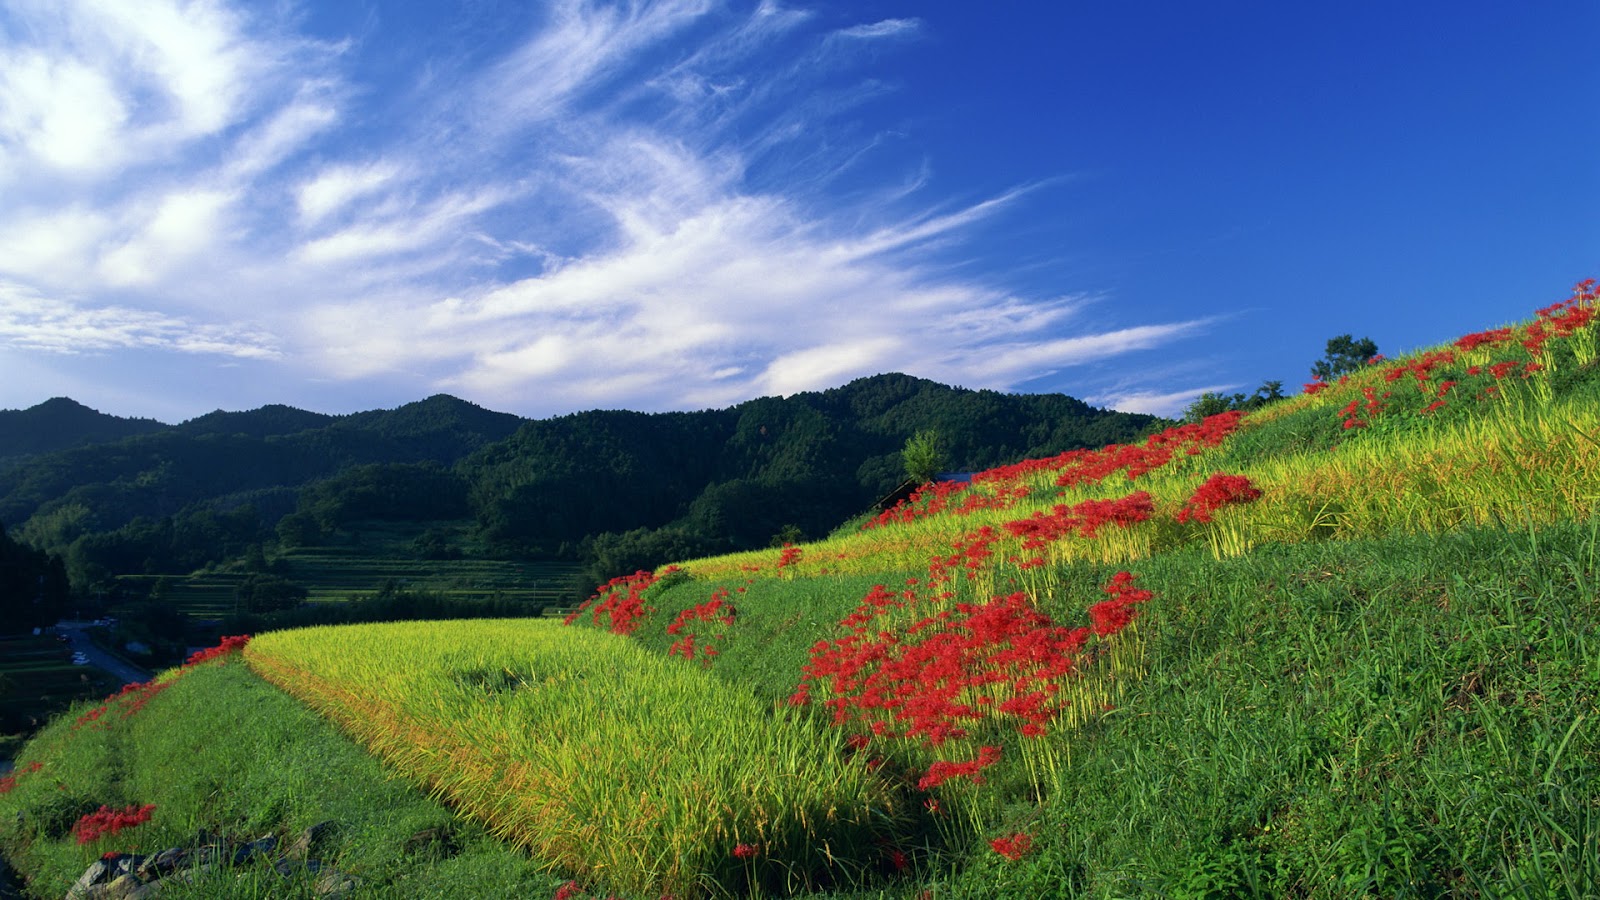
(1212,403)
(924,455)
(1344,354)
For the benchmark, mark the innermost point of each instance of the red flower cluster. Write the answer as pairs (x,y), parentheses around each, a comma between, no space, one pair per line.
(8,783)
(746,851)
(790,556)
(1314,387)
(1084,519)
(1001,659)
(1014,847)
(1111,616)
(1088,466)
(1494,337)
(717,610)
(1218,491)
(131,698)
(110,821)
(620,601)
(1074,467)
(943,770)
(229,644)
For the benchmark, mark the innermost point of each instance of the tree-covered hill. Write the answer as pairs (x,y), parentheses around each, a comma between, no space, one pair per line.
(621,484)
(59,423)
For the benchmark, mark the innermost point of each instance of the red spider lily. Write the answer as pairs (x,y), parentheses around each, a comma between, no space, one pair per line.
(746,851)
(1314,387)
(1073,467)
(1111,616)
(1494,337)
(790,556)
(1218,491)
(228,645)
(110,821)
(566,891)
(1013,847)
(621,601)
(1085,519)
(717,610)
(942,770)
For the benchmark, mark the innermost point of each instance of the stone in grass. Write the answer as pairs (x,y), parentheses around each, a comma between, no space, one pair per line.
(436,843)
(102,872)
(336,885)
(164,863)
(289,868)
(125,887)
(256,848)
(312,842)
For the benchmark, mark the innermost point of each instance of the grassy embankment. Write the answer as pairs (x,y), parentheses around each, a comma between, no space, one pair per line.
(1376,677)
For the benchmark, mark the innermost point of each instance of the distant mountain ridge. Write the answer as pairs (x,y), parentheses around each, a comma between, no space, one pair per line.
(169,498)
(60,423)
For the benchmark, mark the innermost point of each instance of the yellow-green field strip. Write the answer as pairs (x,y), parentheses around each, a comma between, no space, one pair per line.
(616,765)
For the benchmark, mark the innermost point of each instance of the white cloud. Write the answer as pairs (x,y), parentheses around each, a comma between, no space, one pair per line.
(1169,404)
(335,187)
(885,28)
(572,223)
(582,45)
(61,112)
(31,321)
(51,246)
(184,223)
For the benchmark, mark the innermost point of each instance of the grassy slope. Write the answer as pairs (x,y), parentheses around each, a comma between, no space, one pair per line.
(1409,709)
(224,752)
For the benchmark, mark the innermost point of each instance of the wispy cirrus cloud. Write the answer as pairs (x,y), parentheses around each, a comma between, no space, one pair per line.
(29,321)
(629,206)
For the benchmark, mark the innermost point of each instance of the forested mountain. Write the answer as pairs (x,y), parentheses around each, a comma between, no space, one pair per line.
(59,423)
(619,486)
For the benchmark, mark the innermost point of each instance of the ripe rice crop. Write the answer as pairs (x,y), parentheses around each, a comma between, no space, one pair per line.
(618,766)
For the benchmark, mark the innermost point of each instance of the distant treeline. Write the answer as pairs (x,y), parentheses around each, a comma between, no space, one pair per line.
(620,489)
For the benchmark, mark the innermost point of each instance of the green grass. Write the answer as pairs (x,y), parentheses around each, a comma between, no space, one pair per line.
(222,751)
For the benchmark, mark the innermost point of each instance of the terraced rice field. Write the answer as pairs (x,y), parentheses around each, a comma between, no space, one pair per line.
(333,574)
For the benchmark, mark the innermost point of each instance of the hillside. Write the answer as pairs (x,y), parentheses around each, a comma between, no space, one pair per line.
(1342,646)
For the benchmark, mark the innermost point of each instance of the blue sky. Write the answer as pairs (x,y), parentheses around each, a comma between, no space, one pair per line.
(551,207)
